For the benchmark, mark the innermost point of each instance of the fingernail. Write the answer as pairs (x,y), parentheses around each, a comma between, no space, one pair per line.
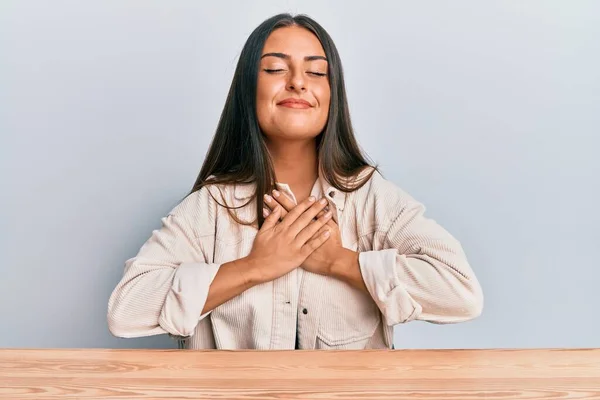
(311,199)
(275,193)
(268,198)
(323,201)
(326,233)
(265,212)
(328,215)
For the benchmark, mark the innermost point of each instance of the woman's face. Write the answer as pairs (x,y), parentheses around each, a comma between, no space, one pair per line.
(292,100)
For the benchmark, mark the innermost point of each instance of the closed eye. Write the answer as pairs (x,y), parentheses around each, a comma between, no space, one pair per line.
(278,70)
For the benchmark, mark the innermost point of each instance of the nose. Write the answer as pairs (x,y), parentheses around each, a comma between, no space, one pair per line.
(296,82)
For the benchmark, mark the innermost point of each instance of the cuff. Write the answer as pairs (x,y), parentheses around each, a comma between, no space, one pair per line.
(379,271)
(186,298)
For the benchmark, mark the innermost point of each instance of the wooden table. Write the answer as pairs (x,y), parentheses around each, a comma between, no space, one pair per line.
(390,375)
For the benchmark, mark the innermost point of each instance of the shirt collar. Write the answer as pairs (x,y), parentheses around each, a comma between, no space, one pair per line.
(244,191)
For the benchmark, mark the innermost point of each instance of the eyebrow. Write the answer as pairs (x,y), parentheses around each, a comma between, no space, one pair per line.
(287,56)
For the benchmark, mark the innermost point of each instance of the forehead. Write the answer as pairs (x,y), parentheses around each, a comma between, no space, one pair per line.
(295,41)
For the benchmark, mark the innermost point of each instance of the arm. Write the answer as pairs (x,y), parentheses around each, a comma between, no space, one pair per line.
(233,279)
(418,271)
(346,267)
(169,286)
(413,268)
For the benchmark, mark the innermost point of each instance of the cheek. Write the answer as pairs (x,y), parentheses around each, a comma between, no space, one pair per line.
(264,99)
(266,92)
(262,93)
(324,97)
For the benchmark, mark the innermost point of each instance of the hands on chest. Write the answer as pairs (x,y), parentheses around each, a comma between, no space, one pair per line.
(302,235)
(321,260)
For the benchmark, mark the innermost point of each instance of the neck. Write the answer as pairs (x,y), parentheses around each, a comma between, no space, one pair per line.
(295,162)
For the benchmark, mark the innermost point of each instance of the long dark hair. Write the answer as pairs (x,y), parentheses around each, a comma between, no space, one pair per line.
(238,153)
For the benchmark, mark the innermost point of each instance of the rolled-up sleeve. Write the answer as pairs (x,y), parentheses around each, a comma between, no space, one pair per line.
(186,298)
(165,286)
(415,270)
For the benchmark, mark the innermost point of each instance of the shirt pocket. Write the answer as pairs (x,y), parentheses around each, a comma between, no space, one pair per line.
(349,317)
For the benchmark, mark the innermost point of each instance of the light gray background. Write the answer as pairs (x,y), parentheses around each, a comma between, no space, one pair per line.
(488,112)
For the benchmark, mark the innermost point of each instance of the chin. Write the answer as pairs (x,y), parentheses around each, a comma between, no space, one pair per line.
(292,134)
(298,133)
(299,129)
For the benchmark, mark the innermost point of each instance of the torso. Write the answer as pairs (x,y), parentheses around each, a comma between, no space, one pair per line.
(300,309)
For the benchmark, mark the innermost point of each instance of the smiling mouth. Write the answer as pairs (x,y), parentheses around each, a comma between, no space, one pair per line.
(295,103)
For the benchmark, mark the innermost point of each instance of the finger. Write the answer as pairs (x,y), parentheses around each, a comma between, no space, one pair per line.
(297,211)
(284,200)
(323,211)
(311,230)
(270,203)
(322,230)
(307,217)
(271,219)
(315,243)
(331,223)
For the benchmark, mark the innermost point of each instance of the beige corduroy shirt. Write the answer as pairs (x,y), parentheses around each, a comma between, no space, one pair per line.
(412,267)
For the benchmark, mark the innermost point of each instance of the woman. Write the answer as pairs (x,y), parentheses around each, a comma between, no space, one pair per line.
(290,238)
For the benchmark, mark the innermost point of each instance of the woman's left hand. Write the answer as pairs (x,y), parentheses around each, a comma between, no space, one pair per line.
(321,260)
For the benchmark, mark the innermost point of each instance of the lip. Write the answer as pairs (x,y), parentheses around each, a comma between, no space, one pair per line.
(294,103)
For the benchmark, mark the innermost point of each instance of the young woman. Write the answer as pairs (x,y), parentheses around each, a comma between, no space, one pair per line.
(290,238)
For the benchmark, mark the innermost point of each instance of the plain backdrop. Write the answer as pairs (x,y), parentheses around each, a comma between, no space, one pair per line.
(487,112)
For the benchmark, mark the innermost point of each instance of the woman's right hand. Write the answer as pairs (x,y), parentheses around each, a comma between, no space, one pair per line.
(280,247)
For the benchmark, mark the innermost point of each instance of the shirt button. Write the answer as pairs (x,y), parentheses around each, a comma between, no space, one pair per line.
(305,311)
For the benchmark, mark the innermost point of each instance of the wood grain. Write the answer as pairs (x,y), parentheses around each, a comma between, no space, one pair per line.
(243,375)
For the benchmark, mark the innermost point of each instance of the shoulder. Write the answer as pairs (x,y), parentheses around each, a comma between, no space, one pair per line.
(199,209)
(382,198)
(382,189)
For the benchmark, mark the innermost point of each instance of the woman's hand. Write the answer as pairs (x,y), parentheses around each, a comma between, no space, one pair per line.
(279,247)
(320,261)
